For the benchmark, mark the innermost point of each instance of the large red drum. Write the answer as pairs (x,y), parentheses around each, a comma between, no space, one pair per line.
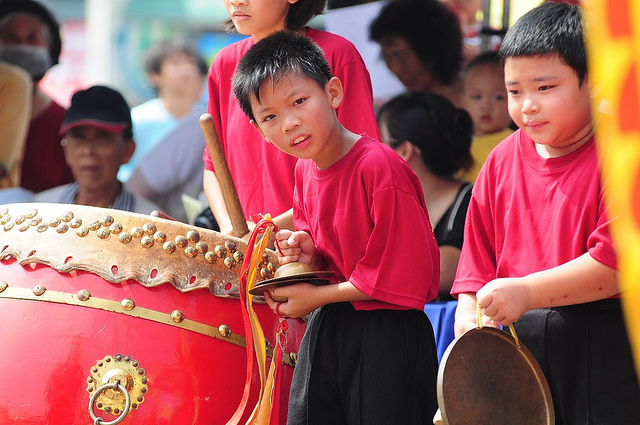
(115,317)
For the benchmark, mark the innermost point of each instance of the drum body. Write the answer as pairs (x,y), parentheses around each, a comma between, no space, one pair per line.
(78,316)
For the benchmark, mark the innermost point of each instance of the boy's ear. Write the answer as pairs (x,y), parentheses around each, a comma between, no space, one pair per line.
(406,150)
(257,127)
(335,91)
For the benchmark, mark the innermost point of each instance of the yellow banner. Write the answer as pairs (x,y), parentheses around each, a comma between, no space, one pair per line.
(614,60)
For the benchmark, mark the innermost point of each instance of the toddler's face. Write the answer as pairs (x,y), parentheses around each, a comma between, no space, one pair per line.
(547,101)
(485,98)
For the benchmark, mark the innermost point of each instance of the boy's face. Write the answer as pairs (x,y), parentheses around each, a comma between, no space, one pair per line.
(298,117)
(547,101)
(485,98)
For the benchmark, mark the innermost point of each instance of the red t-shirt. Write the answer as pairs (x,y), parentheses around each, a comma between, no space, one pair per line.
(262,174)
(44,165)
(528,214)
(367,216)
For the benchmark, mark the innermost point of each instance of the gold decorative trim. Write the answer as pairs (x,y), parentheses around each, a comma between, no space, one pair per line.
(175,318)
(117,307)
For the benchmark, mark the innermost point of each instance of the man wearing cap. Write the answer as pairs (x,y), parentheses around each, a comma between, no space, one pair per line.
(30,39)
(98,139)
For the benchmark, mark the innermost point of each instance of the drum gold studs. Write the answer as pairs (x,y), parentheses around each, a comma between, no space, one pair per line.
(149,228)
(83,294)
(147,241)
(106,221)
(224,330)
(190,252)
(230,246)
(229,263)
(137,232)
(177,316)
(220,251)
(32,213)
(75,223)
(94,225)
(5,219)
(103,233)
(238,257)
(67,217)
(115,228)
(39,290)
(169,247)
(211,257)
(128,304)
(82,231)
(125,237)
(160,237)
(202,247)
(193,236)
(20,219)
(3,286)
(181,241)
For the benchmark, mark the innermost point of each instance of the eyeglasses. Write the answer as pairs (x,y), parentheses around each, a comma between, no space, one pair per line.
(98,142)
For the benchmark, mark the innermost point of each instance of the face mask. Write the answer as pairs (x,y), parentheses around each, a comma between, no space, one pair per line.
(33,59)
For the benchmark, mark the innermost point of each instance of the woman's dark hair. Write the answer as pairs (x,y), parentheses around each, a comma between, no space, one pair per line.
(551,28)
(431,29)
(300,13)
(442,132)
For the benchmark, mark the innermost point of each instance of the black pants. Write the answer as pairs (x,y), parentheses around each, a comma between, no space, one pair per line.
(586,357)
(367,367)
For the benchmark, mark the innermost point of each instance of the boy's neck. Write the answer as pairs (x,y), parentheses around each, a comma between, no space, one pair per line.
(550,152)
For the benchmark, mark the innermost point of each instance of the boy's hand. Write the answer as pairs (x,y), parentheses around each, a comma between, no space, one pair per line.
(505,300)
(467,315)
(300,300)
(297,246)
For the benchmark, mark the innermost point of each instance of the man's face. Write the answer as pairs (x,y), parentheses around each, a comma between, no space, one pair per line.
(95,156)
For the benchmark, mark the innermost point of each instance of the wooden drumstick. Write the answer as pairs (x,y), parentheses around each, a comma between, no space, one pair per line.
(229,193)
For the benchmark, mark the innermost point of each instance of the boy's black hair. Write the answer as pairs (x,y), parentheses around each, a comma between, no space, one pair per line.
(442,132)
(549,29)
(431,29)
(272,58)
(159,51)
(300,13)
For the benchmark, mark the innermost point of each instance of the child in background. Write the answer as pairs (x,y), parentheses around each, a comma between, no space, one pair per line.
(485,98)
(434,137)
(263,176)
(537,246)
(368,355)
(177,72)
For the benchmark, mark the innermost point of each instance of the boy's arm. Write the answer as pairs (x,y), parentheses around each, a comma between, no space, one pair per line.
(578,281)
(303,298)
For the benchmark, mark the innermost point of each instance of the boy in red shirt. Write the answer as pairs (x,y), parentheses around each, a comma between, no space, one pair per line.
(537,246)
(368,355)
